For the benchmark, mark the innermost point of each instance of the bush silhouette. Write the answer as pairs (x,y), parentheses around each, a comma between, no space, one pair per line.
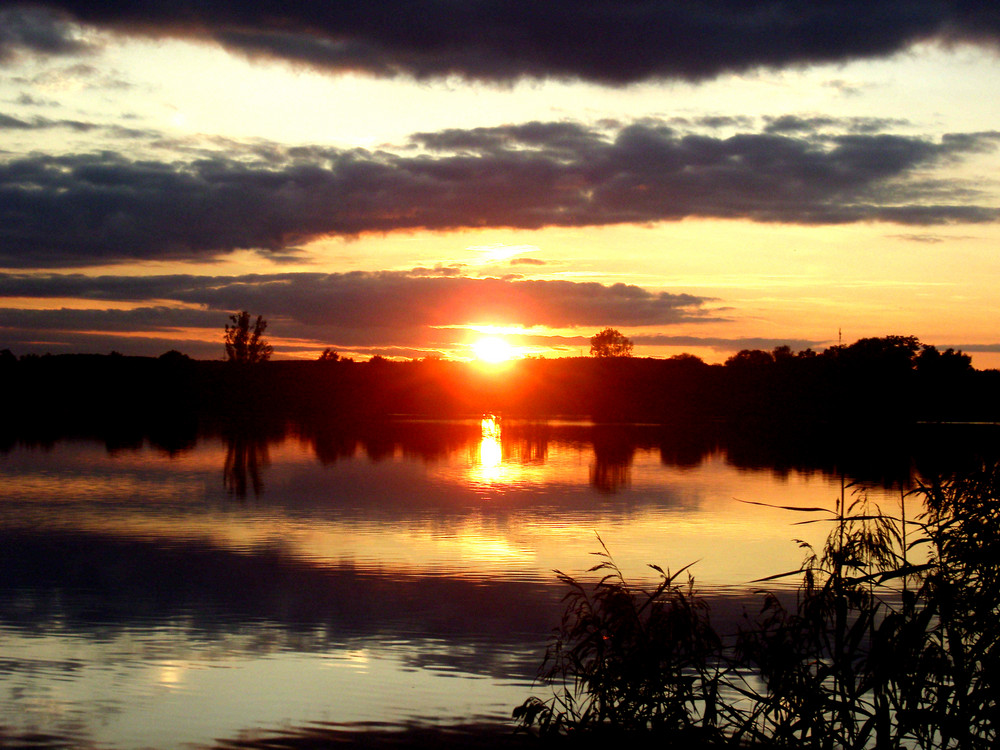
(879,650)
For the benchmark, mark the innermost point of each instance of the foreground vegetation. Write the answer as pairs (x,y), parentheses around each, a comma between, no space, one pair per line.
(892,640)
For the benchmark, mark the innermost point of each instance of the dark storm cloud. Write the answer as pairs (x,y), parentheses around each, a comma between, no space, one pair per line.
(606,41)
(101,208)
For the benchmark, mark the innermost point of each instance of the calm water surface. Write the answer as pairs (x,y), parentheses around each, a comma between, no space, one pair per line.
(242,585)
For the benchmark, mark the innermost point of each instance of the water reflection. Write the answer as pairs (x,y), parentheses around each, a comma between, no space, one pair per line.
(490,451)
(384,572)
(246,458)
(613,453)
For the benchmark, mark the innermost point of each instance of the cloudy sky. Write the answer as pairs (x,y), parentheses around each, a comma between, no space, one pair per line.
(405,177)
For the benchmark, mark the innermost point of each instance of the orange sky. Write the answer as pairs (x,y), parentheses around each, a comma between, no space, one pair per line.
(385,197)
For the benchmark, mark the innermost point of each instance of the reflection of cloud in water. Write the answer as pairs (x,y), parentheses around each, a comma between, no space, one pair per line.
(261,601)
(417,509)
(154,630)
(415,515)
(369,563)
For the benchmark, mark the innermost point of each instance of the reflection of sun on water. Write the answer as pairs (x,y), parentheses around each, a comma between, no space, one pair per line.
(491,468)
(490,426)
(172,673)
(496,463)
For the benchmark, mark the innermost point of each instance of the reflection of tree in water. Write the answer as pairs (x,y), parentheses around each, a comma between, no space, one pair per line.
(529,443)
(332,445)
(247,456)
(385,439)
(613,452)
(608,476)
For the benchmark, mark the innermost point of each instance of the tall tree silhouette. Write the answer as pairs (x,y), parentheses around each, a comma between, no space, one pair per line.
(246,345)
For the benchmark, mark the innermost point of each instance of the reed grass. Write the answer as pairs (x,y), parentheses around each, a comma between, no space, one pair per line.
(891,641)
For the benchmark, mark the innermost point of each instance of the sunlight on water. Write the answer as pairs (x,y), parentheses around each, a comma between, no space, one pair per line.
(516,506)
(498,465)
(115,693)
(156,597)
(490,469)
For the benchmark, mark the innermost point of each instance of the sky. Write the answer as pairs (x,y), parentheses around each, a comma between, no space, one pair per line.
(407,177)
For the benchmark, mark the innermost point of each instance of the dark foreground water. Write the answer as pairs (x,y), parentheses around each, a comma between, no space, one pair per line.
(244,585)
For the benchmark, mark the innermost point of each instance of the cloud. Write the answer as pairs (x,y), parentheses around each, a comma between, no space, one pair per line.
(147,331)
(32,28)
(790,124)
(148,319)
(725,344)
(378,309)
(43,123)
(527,262)
(12,123)
(714,122)
(397,299)
(606,41)
(26,99)
(79,76)
(975,348)
(82,209)
(929,239)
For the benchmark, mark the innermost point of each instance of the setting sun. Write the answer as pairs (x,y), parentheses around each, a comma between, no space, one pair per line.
(493,350)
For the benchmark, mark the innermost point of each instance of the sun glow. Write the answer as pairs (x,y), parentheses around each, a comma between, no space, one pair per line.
(493,350)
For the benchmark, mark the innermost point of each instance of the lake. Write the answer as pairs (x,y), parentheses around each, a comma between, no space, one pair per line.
(233,585)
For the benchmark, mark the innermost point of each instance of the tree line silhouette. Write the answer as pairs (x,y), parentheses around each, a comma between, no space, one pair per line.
(892,379)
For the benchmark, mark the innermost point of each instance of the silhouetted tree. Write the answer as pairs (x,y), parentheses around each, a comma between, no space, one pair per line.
(782,353)
(692,360)
(246,345)
(942,364)
(750,358)
(174,357)
(610,343)
(887,353)
(328,355)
